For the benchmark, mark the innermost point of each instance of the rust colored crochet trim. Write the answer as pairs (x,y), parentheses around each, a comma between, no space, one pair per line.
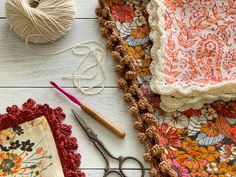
(66,145)
(141,110)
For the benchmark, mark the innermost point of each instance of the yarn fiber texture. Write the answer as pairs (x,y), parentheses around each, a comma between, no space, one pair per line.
(40,21)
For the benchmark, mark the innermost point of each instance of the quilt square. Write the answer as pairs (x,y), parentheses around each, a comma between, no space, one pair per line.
(29,149)
(194,45)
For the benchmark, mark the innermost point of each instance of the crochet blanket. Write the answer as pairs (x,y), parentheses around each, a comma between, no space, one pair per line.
(35,142)
(195,142)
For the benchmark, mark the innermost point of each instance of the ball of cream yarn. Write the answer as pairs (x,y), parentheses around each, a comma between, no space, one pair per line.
(40,21)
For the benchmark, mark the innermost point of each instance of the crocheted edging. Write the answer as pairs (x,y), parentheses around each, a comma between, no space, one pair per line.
(141,110)
(171,104)
(66,145)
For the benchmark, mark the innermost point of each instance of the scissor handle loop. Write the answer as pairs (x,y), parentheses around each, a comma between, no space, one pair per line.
(108,172)
(123,159)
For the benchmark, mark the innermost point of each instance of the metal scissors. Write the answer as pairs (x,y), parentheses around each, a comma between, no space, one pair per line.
(105,152)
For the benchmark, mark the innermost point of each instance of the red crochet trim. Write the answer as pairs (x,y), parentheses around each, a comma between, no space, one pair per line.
(66,145)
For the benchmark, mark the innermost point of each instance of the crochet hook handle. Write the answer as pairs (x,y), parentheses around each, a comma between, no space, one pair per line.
(116,130)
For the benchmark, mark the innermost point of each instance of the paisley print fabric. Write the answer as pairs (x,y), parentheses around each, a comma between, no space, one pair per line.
(196,39)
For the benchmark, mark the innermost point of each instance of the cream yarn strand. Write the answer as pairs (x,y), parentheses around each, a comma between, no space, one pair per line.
(40,21)
(99,54)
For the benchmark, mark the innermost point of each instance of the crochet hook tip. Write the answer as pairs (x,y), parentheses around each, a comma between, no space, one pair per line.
(52,83)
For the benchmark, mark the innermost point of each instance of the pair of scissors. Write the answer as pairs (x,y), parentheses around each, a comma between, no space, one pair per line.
(105,152)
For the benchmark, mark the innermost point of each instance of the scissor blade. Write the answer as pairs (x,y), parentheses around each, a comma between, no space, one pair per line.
(90,133)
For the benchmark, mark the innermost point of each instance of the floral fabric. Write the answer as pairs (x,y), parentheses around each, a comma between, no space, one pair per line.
(197,142)
(199,40)
(29,150)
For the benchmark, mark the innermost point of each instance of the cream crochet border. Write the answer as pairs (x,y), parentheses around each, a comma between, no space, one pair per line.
(170,104)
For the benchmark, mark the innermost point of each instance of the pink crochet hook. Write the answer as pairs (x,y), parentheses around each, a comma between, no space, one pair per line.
(116,130)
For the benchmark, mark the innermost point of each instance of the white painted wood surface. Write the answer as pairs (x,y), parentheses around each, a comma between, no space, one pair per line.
(25,75)
(20,67)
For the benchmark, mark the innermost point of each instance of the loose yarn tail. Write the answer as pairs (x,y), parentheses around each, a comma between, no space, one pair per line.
(97,52)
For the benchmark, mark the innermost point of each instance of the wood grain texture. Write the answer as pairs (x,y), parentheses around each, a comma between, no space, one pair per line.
(84,8)
(109,104)
(20,67)
(25,75)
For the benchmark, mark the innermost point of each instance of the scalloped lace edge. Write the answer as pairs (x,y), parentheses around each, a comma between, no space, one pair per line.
(170,104)
(158,84)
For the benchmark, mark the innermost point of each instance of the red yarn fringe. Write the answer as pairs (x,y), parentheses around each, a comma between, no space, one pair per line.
(66,145)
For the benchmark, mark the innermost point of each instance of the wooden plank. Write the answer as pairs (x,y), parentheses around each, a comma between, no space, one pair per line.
(109,103)
(99,173)
(20,67)
(84,8)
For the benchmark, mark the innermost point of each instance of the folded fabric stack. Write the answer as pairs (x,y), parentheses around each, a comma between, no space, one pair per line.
(194,52)
(187,143)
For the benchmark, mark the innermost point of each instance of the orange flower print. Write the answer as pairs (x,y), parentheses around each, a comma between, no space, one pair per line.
(222,166)
(123,13)
(169,138)
(232,170)
(181,131)
(210,153)
(137,52)
(173,5)
(145,72)
(199,173)
(209,129)
(138,33)
(190,144)
(232,130)
(130,50)
(190,159)
(141,32)
(10,163)
(222,175)
(40,150)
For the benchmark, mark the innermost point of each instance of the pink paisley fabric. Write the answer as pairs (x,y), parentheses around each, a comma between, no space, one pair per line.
(199,41)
